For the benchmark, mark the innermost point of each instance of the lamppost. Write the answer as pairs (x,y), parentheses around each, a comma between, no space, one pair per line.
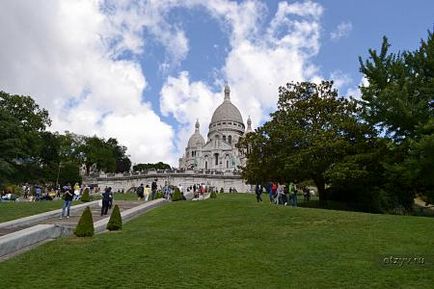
(58,173)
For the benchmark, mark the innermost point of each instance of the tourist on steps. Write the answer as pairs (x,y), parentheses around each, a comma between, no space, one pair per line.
(67,196)
(106,196)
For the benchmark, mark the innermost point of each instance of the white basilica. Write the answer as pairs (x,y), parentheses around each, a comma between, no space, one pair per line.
(218,153)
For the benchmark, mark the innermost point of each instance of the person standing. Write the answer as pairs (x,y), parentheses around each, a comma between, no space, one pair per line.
(154,189)
(258,191)
(293,192)
(147,192)
(76,191)
(140,192)
(67,196)
(106,196)
(273,192)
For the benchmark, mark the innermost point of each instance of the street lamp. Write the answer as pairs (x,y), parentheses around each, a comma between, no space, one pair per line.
(58,173)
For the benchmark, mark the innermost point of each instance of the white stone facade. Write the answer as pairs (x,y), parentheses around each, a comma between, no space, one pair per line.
(218,153)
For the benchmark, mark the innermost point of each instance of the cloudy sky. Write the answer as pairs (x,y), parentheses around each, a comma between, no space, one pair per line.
(144,71)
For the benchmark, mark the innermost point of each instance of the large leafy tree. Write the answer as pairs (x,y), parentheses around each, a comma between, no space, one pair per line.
(312,132)
(22,123)
(123,162)
(11,148)
(96,151)
(399,102)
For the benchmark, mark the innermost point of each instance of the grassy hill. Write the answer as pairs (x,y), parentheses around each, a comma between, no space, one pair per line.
(233,242)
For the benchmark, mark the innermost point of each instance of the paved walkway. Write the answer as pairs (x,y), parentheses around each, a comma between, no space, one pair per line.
(74,217)
(20,235)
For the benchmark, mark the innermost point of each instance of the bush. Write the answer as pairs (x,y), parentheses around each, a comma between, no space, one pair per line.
(85,225)
(115,222)
(176,195)
(85,197)
(158,195)
(12,189)
(213,195)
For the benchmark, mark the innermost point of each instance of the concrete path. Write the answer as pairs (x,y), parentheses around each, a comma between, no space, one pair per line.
(21,234)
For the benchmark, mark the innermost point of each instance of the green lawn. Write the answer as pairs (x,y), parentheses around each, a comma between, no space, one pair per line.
(14,210)
(233,242)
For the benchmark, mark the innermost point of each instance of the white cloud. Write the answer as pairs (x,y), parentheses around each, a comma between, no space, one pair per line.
(342,30)
(60,53)
(340,79)
(188,101)
(262,57)
(66,54)
(355,91)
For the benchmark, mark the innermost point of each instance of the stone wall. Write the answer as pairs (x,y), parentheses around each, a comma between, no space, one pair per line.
(125,182)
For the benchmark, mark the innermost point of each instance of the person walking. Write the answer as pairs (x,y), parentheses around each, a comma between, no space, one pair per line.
(258,191)
(67,196)
(106,196)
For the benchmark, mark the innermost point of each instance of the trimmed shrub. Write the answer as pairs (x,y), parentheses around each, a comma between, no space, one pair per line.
(85,224)
(85,197)
(158,195)
(176,195)
(213,195)
(115,222)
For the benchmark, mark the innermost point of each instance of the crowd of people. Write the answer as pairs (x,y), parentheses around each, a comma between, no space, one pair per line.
(149,192)
(282,194)
(47,192)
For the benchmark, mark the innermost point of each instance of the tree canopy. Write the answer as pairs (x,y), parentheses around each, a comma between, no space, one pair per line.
(30,153)
(309,135)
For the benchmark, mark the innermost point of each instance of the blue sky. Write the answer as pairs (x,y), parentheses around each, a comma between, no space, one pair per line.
(144,71)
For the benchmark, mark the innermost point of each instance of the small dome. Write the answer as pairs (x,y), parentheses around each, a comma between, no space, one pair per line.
(196,140)
(249,126)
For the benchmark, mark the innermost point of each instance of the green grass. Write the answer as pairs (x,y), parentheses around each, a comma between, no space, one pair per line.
(14,210)
(233,242)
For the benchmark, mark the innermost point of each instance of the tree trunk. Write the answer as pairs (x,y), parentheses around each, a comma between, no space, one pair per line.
(322,193)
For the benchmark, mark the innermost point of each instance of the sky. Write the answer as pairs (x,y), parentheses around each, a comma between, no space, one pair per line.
(144,71)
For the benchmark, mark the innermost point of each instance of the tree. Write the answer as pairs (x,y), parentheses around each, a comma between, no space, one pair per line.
(123,162)
(115,222)
(85,226)
(148,166)
(22,122)
(399,102)
(400,93)
(312,131)
(11,147)
(95,151)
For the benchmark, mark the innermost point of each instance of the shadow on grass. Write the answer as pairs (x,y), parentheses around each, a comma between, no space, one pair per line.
(418,211)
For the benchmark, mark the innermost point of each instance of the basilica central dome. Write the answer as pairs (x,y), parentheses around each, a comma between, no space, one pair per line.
(226,111)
